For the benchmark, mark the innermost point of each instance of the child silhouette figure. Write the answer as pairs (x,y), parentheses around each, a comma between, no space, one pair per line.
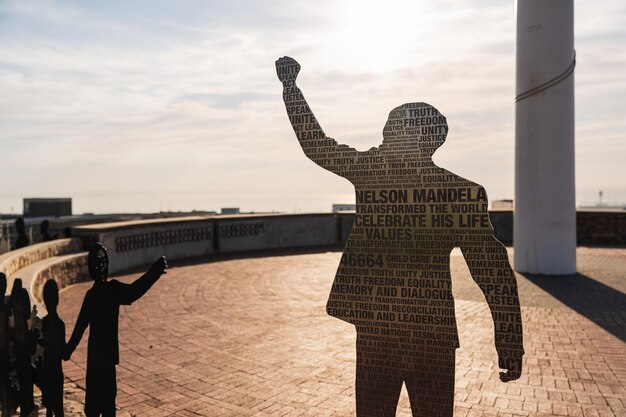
(24,347)
(54,345)
(5,311)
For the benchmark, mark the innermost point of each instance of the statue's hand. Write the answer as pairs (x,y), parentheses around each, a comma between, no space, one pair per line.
(287,69)
(159,267)
(512,362)
(67,352)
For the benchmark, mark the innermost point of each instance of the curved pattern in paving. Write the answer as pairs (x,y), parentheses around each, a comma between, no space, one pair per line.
(251,337)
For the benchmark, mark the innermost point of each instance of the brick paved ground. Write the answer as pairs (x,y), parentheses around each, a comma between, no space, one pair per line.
(250,337)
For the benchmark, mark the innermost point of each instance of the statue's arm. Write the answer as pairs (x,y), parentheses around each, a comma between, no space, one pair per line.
(79,328)
(127,294)
(319,148)
(489,266)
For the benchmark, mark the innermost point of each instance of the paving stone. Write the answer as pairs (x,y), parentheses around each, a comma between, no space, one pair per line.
(239,337)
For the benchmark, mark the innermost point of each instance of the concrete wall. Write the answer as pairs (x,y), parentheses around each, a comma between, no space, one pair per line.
(593,227)
(13,261)
(601,227)
(142,242)
(502,222)
(136,243)
(274,232)
(65,270)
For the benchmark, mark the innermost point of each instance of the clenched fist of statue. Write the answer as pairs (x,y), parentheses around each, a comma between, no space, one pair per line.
(287,69)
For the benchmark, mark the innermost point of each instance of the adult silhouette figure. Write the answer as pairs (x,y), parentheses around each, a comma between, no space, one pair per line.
(100,311)
(21,240)
(5,311)
(44,228)
(393,282)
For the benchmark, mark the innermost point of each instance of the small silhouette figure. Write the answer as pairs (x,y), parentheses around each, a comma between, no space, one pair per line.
(393,282)
(44,228)
(5,311)
(67,232)
(22,239)
(24,345)
(36,327)
(53,329)
(100,311)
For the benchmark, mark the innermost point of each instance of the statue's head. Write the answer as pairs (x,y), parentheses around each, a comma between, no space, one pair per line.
(98,262)
(19,225)
(44,227)
(51,295)
(20,303)
(17,287)
(414,128)
(25,298)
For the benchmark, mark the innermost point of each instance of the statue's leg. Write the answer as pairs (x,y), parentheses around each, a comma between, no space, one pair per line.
(377,387)
(101,390)
(109,392)
(431,385)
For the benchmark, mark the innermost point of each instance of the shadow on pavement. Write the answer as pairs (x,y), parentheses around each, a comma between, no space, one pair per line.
(600,303)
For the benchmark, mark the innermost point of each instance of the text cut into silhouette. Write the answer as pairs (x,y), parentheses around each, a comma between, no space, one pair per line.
(393,282)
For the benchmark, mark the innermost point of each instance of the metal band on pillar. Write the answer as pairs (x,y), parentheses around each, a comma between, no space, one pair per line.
(548,84)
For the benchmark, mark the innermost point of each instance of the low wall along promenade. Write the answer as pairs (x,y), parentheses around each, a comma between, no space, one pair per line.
(141,242)
(63,260)
(136,243)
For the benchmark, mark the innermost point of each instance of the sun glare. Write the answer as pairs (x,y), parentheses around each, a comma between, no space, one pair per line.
(378,36)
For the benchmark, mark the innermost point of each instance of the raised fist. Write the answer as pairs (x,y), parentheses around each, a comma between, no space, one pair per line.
(159,267)
(287,69)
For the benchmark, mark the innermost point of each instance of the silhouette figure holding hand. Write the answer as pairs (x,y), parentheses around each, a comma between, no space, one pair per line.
(100,311)
(53,329)
(24,346)
(44,228)
(5,311)
(393,282)
(22,239)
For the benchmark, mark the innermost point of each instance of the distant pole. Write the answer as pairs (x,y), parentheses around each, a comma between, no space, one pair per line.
(544,236)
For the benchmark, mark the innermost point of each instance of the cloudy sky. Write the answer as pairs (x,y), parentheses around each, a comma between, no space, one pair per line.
(155,105)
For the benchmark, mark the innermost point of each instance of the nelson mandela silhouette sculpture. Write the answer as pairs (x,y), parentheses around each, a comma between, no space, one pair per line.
(393,282)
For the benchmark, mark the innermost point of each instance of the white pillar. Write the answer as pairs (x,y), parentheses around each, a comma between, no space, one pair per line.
(544,235)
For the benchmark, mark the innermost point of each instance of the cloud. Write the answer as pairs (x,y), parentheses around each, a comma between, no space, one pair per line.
(226,101)
(166,100)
